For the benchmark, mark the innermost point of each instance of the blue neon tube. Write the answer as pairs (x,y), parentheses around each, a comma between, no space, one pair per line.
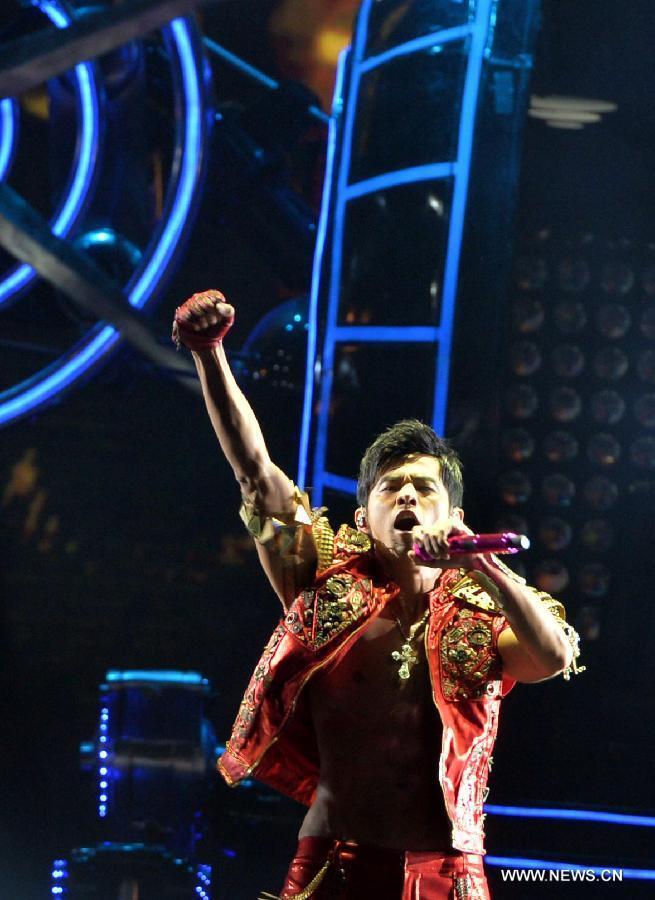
(336,262)
(402,176)
(8,121)
(319,252)
(579,815)
(425,42)
(458,209)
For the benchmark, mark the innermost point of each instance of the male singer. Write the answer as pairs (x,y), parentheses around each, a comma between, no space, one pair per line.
(376,700)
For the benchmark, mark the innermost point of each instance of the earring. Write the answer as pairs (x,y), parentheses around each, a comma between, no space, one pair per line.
(360,520)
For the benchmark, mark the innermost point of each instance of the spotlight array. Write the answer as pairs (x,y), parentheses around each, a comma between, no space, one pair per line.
(578,413)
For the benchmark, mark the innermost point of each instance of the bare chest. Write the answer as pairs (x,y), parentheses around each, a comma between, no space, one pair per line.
(363,694)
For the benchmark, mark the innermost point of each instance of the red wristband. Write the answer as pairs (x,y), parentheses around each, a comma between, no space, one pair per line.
(206,339)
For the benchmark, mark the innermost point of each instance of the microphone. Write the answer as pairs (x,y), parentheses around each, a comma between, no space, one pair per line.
(507,542)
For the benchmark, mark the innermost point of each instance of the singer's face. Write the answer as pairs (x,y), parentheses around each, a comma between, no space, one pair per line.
(410,492)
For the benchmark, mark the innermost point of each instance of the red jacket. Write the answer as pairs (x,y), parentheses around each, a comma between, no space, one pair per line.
(273,737)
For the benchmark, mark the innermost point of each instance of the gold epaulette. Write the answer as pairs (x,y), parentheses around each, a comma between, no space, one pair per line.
(323,538)
(554,607)
(476,594)
(350,542)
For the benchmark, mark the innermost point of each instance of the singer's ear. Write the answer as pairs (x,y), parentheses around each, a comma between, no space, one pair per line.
(360,520)
(457,513)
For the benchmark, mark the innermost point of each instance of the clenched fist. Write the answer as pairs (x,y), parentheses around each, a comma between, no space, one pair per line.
(202,321)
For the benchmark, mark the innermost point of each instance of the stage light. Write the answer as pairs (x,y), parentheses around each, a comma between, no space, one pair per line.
(558,490)
(560,446)
(274,351)
(597,535)
(607,407)
(567,305)
(565,404)
(551,576)
(513,522)
(603,449)
(515,487)
(610,363)
(613,320)
(646,366)
(570,316)
(111,250)
(522,401)
(600,493)
(573,275)
(204,880)
(616,278)
(530,273)
(588,622)
(642,453)
(554,533)
(525,358)
(518,445)
(567,361)
(594,580)
(528,315)
(647,323)
(648,278)
(156,676)
(644,410)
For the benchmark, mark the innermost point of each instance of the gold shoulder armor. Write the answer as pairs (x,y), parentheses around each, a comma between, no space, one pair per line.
(323,538)
(350,542)
(280,527)
(476,592)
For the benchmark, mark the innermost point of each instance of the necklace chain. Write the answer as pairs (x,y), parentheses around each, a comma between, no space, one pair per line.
(408,638)
(407,655)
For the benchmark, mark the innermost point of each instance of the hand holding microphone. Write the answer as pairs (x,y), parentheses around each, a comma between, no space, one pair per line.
(460,544)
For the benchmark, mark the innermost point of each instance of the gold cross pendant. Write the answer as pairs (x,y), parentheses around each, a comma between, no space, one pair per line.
(407,657)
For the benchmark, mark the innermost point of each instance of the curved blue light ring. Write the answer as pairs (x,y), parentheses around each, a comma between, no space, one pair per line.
(38,390)
(8,128)
(86,155)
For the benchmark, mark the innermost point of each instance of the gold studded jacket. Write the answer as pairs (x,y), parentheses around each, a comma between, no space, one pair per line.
(272,737)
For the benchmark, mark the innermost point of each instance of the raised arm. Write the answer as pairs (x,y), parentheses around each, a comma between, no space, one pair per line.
(201,324)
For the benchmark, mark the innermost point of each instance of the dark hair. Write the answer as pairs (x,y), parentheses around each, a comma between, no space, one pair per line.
(405,438)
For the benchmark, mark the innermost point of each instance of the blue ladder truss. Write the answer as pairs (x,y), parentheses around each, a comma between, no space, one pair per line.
(338,193)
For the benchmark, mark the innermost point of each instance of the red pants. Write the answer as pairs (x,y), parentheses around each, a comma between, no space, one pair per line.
(355,872)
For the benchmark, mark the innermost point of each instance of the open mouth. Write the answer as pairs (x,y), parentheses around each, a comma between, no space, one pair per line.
(405,520)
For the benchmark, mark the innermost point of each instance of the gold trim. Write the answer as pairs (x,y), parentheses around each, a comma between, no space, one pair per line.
(306,892)
(265,528)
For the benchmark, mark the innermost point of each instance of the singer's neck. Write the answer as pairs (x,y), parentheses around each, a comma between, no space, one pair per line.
(413,580)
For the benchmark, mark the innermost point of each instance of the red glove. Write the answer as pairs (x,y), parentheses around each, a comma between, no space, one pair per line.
(208,310)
